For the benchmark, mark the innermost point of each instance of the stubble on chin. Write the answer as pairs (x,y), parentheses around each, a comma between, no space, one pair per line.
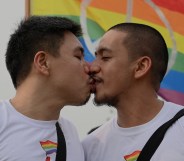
(109,101)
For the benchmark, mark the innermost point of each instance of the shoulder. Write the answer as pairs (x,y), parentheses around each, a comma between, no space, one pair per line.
(99,133)
(95,142)
(67,126)
(169,110)
(172,107)
(69,129)
(3,104)
(179,124)
(3,114)
(74,147)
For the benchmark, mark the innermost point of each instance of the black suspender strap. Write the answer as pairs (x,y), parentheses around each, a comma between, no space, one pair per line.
(61,146)
(157,137)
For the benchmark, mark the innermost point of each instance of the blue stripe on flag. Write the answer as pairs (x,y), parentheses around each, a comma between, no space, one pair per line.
(174,80)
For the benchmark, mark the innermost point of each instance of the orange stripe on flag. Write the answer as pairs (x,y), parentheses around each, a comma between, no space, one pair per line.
(143,11)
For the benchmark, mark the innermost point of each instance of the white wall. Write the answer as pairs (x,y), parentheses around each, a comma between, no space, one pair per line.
(86,117)
(10,14)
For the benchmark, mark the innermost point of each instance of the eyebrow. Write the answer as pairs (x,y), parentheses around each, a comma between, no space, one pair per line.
(101,50)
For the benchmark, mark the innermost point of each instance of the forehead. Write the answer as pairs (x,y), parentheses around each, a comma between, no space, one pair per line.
(70,44)
(70,38)
(112,39)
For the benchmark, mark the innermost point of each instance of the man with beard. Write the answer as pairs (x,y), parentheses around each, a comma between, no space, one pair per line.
(46,63)
(131,61)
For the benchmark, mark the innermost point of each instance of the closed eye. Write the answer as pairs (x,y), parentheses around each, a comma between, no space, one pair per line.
(104,58)
(79,57)
(79,53)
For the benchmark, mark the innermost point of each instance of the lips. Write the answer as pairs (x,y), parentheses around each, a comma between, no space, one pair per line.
(93,83)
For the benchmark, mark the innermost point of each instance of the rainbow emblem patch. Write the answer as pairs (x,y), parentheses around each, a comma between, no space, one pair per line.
(133,156)
(49,147)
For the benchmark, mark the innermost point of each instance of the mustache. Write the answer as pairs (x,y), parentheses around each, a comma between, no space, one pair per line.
(94,78)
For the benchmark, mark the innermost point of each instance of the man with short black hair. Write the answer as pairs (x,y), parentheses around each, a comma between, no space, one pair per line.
(131,61)
(46,63)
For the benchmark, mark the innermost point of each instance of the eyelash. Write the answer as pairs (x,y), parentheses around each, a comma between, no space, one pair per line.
(78,57)
(105,58)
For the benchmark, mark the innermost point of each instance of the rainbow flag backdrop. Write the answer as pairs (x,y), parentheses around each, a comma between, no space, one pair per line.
(96,16)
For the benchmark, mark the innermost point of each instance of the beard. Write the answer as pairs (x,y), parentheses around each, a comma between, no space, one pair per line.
(109,101)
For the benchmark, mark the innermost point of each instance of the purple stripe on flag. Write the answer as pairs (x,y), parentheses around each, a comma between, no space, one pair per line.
(51,151)
(172,96)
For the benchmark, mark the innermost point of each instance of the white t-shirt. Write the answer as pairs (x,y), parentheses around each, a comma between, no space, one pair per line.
(25,139)
(113,143)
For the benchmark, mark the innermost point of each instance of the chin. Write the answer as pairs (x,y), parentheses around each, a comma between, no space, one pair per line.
(83,101)
(99,102)
(109,101)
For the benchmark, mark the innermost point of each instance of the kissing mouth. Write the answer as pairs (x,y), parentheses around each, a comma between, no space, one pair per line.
(94,80)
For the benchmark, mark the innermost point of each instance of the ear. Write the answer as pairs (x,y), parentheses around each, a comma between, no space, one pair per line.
(41,62)
(143,65)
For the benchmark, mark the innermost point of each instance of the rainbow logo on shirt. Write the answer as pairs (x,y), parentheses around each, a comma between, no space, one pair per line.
(133,156)
(49,147)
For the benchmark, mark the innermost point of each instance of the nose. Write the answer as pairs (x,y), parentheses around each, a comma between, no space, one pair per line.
(94,68)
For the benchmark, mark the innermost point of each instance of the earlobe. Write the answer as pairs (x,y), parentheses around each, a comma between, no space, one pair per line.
(143,66)
(41,62)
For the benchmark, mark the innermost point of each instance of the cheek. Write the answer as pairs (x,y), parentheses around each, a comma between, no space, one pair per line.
(116,78)
(110,72)
(79,72)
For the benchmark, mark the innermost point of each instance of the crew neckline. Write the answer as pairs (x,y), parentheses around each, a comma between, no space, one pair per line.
(33,122)
(144,127)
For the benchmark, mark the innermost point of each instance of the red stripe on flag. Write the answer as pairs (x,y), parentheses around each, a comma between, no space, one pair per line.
(175,5)
(47,159)
(172,96)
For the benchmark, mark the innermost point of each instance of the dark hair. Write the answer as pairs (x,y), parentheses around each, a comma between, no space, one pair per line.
(144,40)
(37,33)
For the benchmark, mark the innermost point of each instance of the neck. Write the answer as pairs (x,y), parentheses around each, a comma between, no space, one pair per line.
(138,110)
(37,105)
